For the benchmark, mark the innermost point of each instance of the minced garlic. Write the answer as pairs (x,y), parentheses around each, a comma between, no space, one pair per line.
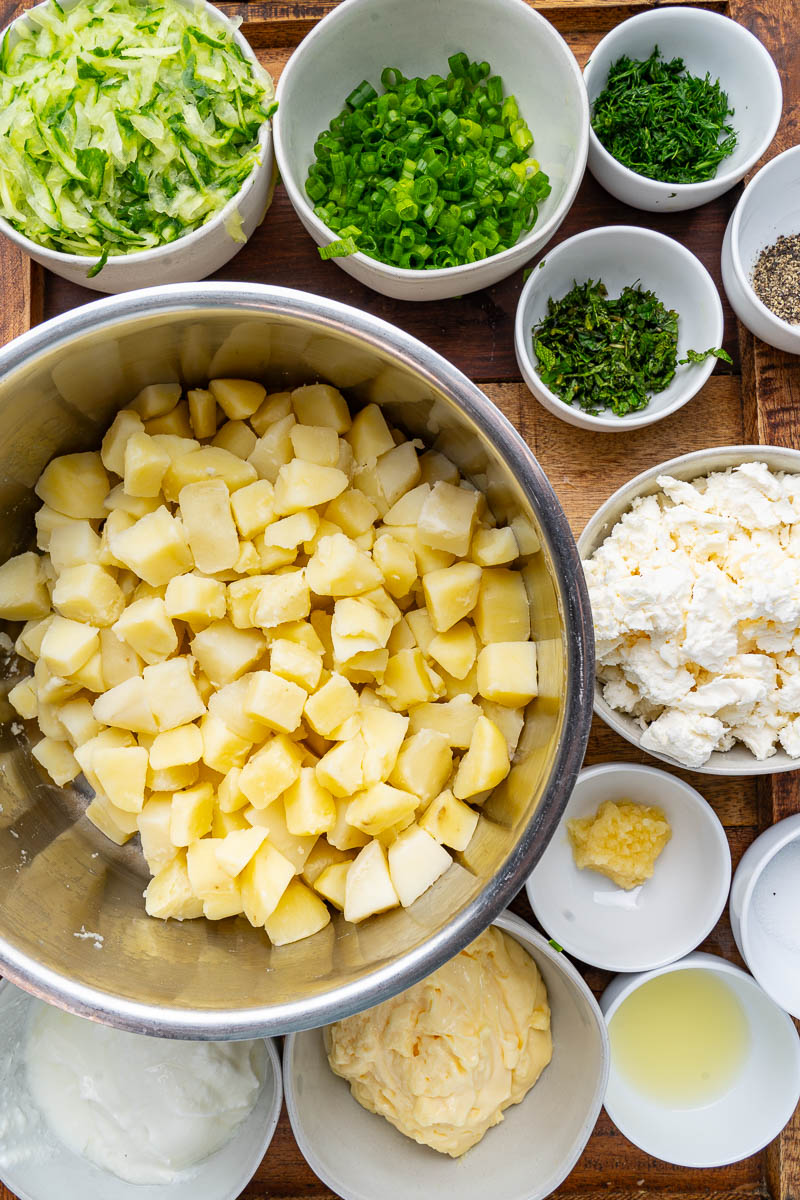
(621,841)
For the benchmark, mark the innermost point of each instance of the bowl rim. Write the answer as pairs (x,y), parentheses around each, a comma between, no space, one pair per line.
(704,813)
(512,255)
(789,832)
(590,540)
(531,940)
(727,179)
(740,275)
(60,258)
(335,318)
(613,424)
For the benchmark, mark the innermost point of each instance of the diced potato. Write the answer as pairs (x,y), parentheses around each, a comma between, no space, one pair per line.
(90,675)
(122,772)
(383,733)
(112,451)
(270,771)
(451,593)
(507,673)
(296,663)
(169,893)
(369,435)
(282,598)
(155,548)
(29,640)
(146,627)
(401,637)
(406,510)
(502,611)
(57,759)
(202,412)
(88,593)
(154,821)
(298,914)
(175,445)
(223,749)
(435,466)
(224,652)
(228,702)
(86,752)
(455,650)
(353,512)
(210,529)
(238,398)
(230,797)
(273,449)
(118,661)
(117,825)
(222,904)
(22,698)
(191,815)
(23,588)
(249,560)
(315,444)
(419,622)
(47,520)
(235,850)
(342,835)
(493,547)
(253,507)
(73,544)
(397,472)
(450,821)
(173,424)
(357,628)
(301,484)
(173,779)
(456,719)
(209,462)
(195,599)
(289,532)
(274,408)
(416,860)
(118,500)
(321,404)
(51,689)
(292,846)
(340,770)
(331,705)
(126,706)
(206,875)
(276,702)
(397,563)
(309,807)
(116,523)
(486,762)
(380,806)
(224,823)
(322,856)
(67,645)
(368,887)
(75,485)
(332,883)
(447,518)
(423,764)
(509,721)
(172,692)
(339,568)
(156,400)
(145,463)
(409,680)
(236,437)
(176,747)
(263,881)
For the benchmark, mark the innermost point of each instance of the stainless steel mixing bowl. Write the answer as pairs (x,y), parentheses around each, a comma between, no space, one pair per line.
(72,924)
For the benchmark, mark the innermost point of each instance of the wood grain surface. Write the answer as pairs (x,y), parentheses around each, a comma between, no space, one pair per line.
(757,399)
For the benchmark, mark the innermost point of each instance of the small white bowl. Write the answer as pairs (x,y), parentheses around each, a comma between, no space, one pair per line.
(738,760)
(765,901)
(188,258)
(652,925)
(708,44)
(622,255)
(361,37)
(34,1165)
(754,1109)
(360,1156)
(769,206)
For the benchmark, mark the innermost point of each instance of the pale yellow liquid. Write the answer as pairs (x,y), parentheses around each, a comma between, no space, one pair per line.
(681,1039)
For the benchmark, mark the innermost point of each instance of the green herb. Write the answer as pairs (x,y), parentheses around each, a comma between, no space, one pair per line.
(660,121)
(432,173)
(609,354)
(124,124)
(556,946)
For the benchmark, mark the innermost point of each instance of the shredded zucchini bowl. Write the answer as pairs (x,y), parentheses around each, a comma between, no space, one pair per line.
(127,126)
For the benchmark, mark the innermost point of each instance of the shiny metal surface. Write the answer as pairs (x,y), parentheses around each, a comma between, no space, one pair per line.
(60,878)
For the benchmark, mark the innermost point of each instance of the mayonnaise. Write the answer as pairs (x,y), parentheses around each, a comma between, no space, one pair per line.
(143,1108)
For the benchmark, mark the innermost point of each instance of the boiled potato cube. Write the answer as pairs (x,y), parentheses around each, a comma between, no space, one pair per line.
(223,749)
(209,462)
(493,547)
(332,883)
(383,733)
(357,628)
(419,622)
(316,444)
(116,523)
(173,779)
(397,563)
(154,822)
(282,598)
(290,532)
(75,485)
(502,612)
(85,753)
(416,860)
(73,544)
(78,719)
(294,847)
(455,718)
(156,400)
(298,914)
(172,424)
(253,507)
(145,463)
(397,472)
(380,806)
(122,771)
(455,650)
(206,875)
(369,435)
(117,825)
(277,703)
(228,702)
(155,548)
(172,692)
(202,412)
(303,484)
(352,511)
(224,823)
(29,642)
(435,466)
(486,762)
(67,645)
(273,449)
(271,771)
(195,599)
(23,588)
(192,811)
(407,509)
(235,850)
(274,408)
(249,560)
(263,881)
(309,807)
(118,500)
(451,593)
(450,821)
(342,835)
(169,893)
(340,770)
(112,450)
(238,398)
(23,699)
(47,520)
(409,680)
(423,764)
(241,599)
(339,568)
(401,637)
(206,514)
(88,593)
(368,887)
(296,663)
(322,856)
(447,518)
(90,675)
(236,437)
(321,404)
(331,705)
(509,721)
(57,759)
(50,690)
(118,661)
(222,904)
(126,706)
(146,627)
(225,652)
(230,797)
(507,673)
(176,747)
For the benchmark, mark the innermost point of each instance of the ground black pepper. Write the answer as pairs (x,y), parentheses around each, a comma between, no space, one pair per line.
(776,278)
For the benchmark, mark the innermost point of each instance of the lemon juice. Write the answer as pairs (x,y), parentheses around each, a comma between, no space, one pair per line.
(681,1038)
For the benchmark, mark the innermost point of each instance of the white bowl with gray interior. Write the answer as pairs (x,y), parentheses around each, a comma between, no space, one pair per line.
(709,44)
(360,1156)
(738,760)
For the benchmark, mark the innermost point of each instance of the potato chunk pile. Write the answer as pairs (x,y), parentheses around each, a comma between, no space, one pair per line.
(281,644)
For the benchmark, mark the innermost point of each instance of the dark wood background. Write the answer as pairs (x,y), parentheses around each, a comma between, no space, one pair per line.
(756,399)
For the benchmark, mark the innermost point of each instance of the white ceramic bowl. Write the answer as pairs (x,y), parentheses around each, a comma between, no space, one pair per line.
(622,255)
(649,926)
(769,206)
(360,1156)
(738,760)
(754,1109)
(361,37)
(708,44)
(765,901)
(191,257)
(36,1166)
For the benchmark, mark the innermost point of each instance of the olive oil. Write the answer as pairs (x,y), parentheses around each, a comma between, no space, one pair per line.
(681,1039)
